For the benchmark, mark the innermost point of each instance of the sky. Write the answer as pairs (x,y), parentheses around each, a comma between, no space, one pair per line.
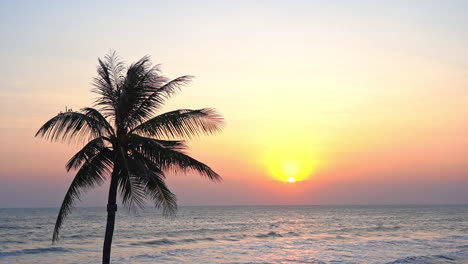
(360,102)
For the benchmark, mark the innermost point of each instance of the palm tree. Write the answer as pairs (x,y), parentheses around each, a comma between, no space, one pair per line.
(126,143)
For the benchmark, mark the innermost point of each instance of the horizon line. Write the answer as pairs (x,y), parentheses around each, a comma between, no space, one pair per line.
(260,205)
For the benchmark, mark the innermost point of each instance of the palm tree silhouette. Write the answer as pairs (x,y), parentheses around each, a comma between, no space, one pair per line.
(128,144)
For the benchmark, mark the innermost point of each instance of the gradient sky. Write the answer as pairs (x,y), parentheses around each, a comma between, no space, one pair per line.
(368,99)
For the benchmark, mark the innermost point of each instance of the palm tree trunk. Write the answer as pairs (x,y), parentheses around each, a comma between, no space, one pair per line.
(111,209)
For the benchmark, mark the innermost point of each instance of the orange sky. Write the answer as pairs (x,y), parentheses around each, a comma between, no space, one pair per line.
(368,100)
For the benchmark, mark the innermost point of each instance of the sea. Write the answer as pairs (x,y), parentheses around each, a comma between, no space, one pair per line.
(242,234)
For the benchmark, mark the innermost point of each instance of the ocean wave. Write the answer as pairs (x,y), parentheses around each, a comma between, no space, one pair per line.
(276,234)
(81,236)
(160,254)
(175,233)
(13,241)
(461,237)
(238,237)
(341,237)
(269,234)
(165,241)
(292,234)
(457,257)
(378,228)
(32,251)
(384,228)
(192,240)
(9,227)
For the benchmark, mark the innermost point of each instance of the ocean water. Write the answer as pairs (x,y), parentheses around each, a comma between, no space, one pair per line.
(253,234)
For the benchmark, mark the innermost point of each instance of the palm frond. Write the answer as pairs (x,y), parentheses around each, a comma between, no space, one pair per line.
(157,96)
(117,67)
(178,145)
(153,179)
(91,174)
(183,123)
(131,191)
(169,159)
(158,191)
(139,83)
(108,82)
(71,125)
(88,152)
(95,114)
(130,186)
(165,91)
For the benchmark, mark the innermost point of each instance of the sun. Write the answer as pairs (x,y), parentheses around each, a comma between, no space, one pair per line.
(290,169)
(290,163)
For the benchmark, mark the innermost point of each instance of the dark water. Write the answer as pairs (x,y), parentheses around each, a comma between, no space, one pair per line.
(257,234)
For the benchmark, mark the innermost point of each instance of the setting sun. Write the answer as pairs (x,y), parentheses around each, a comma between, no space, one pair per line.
(289,166)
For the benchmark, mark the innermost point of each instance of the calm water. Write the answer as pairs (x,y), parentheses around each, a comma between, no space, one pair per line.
(270,234)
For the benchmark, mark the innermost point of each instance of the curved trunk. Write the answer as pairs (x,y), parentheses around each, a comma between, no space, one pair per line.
(111,209)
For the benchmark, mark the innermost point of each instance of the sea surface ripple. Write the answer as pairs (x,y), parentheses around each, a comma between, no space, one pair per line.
(243,234)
